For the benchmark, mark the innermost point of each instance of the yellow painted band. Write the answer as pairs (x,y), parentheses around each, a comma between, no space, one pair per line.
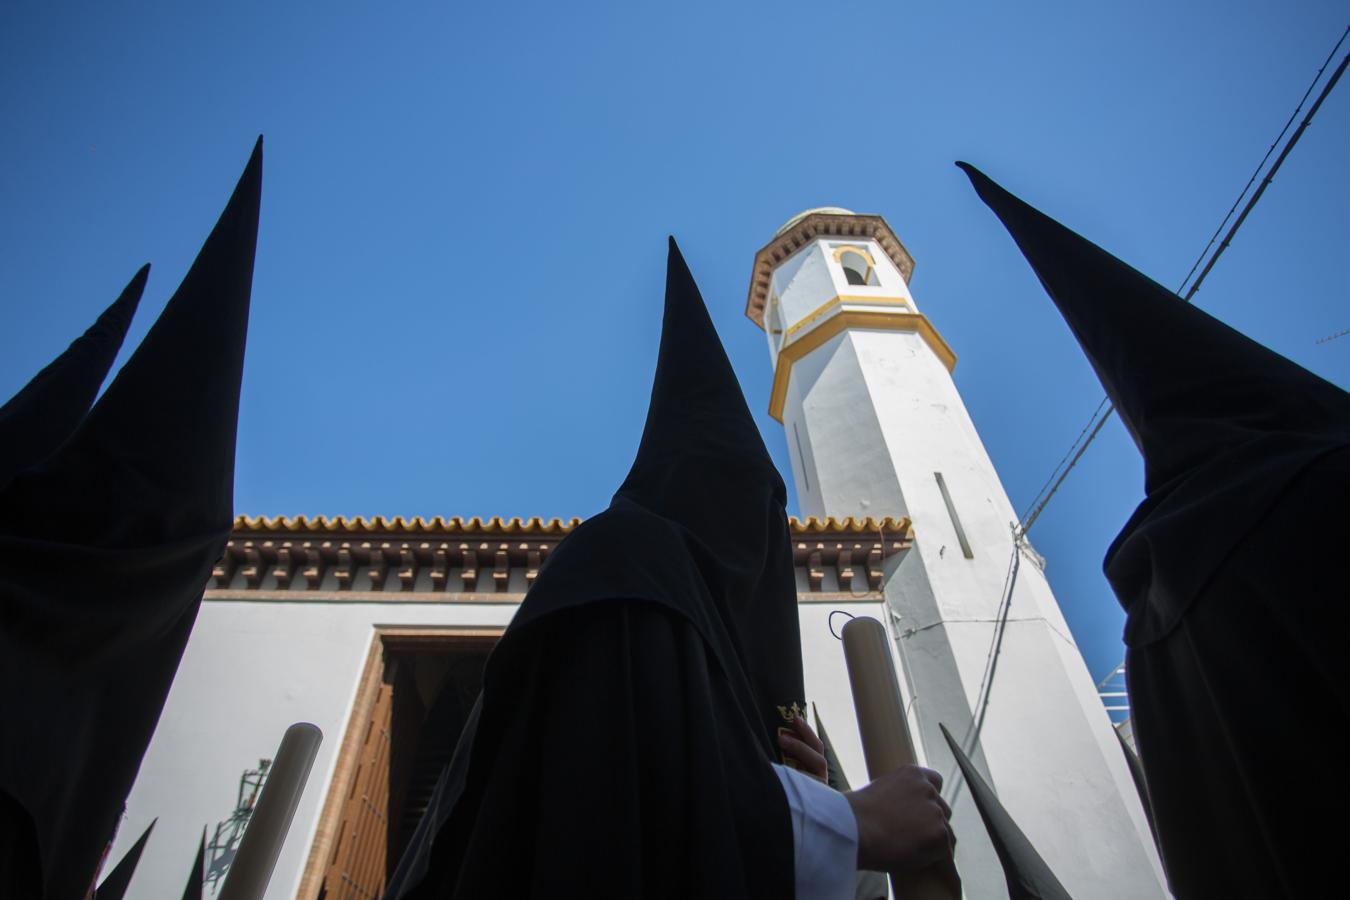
(879,320)
(831,303)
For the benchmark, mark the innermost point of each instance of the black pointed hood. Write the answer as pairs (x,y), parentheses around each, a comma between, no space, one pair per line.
(671,613)
(697,416)
(193,889)
(155,456)
(1187,386)
(1222,422)
(703,466)
(710,503)
(114,887)
(39,418)
(105,547)
(1029,878)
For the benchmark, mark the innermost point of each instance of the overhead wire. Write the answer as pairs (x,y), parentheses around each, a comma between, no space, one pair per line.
(981,706)
(1077,449)
(1065,458)
(1259,166)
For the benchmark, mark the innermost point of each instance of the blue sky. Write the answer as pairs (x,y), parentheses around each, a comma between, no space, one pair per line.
(456,301)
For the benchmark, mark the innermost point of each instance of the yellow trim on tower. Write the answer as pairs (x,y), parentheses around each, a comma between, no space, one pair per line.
(853,248)
(841,299)
(878,320)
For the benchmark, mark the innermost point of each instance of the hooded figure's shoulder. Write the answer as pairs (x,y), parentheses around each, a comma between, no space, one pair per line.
(626,553)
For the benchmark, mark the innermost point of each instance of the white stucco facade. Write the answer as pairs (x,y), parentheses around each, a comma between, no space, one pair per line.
(251,668)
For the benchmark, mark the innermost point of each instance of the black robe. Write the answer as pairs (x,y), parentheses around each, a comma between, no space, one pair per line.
(1230,572)
(622,743)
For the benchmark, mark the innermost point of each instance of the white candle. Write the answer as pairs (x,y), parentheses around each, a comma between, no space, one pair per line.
(887,745)
(252,867)
(876,697)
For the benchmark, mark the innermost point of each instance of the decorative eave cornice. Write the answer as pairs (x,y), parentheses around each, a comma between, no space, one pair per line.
(847,545)
(398,525)
(475,559)
(816,225)
(899,529)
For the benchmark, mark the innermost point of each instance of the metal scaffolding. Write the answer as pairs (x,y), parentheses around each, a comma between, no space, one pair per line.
(224,843)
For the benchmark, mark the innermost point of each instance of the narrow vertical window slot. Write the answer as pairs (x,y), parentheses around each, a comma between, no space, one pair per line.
(806,477)
(956,521)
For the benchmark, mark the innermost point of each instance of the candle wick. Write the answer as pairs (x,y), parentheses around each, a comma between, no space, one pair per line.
(830,622)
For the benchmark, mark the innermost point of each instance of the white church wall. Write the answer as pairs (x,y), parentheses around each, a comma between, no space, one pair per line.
(251,669)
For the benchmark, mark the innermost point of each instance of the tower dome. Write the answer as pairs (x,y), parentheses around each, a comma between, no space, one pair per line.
(827,210)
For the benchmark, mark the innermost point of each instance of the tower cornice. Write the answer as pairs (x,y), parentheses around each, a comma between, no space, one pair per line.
(815,225)
(842,320)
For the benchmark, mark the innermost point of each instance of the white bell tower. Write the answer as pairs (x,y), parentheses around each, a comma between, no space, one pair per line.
(875,427)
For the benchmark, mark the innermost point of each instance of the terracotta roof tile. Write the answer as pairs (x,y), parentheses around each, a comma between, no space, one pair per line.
(439,525)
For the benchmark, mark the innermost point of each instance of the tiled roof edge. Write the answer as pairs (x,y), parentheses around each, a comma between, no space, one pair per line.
(376,525)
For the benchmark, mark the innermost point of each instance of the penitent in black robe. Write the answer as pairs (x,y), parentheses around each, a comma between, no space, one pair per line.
(1231,573)
(111,518)
(622,743)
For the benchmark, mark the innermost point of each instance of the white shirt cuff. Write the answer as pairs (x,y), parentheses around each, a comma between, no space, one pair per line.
(824,837)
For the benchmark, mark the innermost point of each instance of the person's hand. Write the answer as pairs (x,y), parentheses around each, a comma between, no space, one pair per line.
(801,747)
(903,825)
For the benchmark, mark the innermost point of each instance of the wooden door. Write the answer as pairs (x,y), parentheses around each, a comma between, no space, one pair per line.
(356,870)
